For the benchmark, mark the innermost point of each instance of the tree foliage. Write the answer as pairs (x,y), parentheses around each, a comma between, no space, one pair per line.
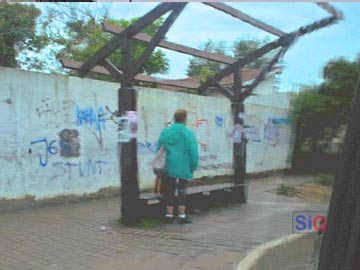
(319,111)
(200,66)
(243,47)
(18,33)
(204,68)
(77,29)
(328,104)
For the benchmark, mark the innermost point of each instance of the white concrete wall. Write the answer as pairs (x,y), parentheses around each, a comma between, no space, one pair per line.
(270,145)
(35,108)
(42,114)
(209,117)
(267,113)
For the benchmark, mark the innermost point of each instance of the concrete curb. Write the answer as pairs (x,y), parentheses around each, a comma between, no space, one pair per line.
(252,258)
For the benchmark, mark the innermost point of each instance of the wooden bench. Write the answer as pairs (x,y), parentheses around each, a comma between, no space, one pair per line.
(204,190)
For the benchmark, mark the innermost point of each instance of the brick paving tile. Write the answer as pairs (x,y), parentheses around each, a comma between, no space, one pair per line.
(68,236)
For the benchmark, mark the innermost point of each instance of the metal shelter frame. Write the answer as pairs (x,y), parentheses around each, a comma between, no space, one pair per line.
(130,68)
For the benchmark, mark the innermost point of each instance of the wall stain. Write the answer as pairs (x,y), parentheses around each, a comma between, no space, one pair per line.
(69,143)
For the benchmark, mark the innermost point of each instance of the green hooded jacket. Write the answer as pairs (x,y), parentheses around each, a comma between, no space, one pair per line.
(181,151)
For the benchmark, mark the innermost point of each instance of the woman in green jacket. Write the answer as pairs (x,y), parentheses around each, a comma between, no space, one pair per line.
(181,161)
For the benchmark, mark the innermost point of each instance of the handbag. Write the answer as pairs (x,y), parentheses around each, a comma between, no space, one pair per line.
(159,163)
(159,187)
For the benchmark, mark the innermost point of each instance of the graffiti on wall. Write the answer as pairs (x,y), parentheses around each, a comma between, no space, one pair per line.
(47,148)
(146,147)
(277,131)
(47,108)
(252,133)
(91,117)
(219,121)
(201,126)
(94,119)
(52,114)
(79,168)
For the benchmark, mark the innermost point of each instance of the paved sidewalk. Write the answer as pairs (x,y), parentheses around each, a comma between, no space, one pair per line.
(68,237)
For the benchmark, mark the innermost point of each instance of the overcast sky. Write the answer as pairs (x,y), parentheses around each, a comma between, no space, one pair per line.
(303,62)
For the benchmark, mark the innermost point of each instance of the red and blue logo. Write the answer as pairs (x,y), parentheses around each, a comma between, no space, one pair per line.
(309,221)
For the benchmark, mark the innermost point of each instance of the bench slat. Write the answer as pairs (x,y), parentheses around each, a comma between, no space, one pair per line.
(194,190)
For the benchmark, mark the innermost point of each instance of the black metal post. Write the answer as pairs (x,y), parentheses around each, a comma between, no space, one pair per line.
(128,151)
(239,153)
(340,248)
(239,150)
(128,163)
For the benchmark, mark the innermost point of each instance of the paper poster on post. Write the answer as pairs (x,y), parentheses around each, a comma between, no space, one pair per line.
(123,130)
(238,133)
(133,123)
(242,115)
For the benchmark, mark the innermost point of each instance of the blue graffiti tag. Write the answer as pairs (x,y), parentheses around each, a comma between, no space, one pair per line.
(279,121)
(274,130)
(86,169)
(49,149)
(90,117)
(252,133)
(219,120)
(143,147)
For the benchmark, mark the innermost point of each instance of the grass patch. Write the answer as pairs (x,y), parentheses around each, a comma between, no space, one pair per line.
(216,207)
(286,190)
(120,221)
(148,223)
(143,223)
(325,179)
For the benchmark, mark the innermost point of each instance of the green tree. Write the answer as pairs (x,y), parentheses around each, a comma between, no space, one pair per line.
(243,47)
(328,103)
(77,29)
(320,111)
(18,33)
(205,68)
